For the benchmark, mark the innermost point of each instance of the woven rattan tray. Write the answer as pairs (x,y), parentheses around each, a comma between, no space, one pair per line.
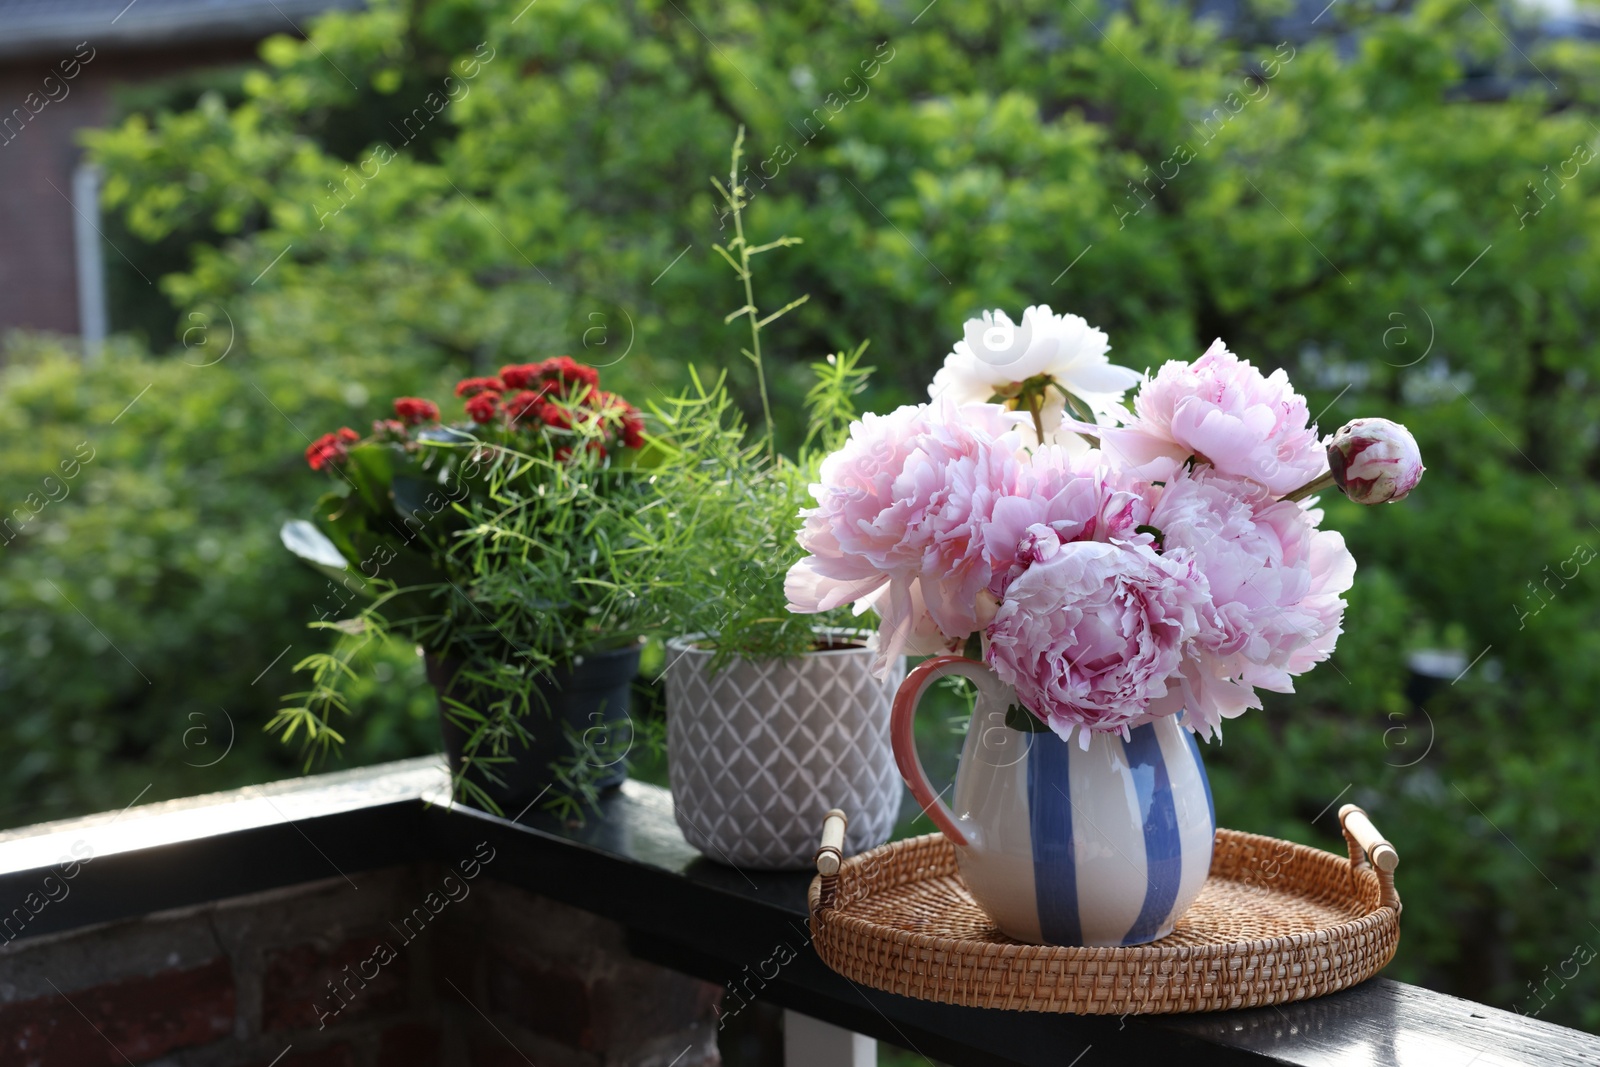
(1276,922)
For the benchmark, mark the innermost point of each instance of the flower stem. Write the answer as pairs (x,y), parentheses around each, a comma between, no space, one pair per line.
(736,190)
(1315,485)
(1028,396)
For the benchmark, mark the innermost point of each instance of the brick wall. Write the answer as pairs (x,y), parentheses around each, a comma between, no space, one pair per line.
(39,151)
(401,968)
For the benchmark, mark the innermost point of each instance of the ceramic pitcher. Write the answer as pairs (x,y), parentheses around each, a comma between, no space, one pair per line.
(1062,845)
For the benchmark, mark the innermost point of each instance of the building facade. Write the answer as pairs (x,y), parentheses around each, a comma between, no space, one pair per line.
(61,63)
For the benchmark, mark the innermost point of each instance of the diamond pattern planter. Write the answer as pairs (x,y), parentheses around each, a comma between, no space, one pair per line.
(760,751)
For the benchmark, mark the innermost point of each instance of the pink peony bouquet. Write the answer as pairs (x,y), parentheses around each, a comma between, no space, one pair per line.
(1118,566)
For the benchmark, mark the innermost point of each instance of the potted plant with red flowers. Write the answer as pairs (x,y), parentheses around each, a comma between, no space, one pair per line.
(497,544)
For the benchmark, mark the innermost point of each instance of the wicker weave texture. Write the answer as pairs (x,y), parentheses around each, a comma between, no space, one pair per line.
(1275,922)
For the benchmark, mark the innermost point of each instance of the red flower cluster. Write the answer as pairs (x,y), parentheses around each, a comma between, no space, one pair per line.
(413,411)
(530,406)
(551,396)
(474,386)
(331,448)
(483,406)
(632,426)
(558,375)
(629,421)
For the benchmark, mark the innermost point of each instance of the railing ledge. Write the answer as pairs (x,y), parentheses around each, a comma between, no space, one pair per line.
(630,864)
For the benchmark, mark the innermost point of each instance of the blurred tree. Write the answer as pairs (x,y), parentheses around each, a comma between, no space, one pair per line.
(424,190)
(151,614)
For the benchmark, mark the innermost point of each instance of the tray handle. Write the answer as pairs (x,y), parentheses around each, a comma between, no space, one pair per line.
(830,854)
(1369,848)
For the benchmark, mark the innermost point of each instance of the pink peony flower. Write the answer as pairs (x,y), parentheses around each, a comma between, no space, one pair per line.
(903,498)
(1077,497)
(1222,411)
(1333,572)
(956,565)
(1375,461)
(1274,581)
(906,624)
(1092,635)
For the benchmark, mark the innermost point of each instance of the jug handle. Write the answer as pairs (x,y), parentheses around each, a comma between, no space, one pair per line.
(903,738)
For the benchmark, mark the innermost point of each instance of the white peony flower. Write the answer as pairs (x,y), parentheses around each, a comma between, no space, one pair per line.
(1034,362)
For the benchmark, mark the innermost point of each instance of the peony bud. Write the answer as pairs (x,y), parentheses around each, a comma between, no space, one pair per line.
(1374,461)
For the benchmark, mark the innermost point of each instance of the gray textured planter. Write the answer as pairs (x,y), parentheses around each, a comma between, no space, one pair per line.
(761,750)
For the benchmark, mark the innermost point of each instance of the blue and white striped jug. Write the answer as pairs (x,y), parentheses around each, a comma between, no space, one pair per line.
(1062,845)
